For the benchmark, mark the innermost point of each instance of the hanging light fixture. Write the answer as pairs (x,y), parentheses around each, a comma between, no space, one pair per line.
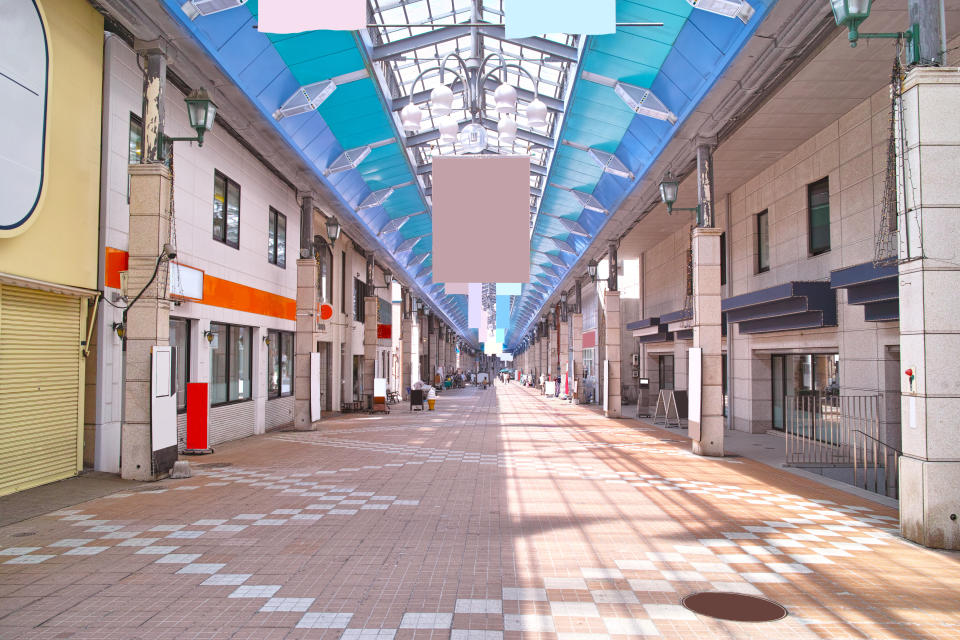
(506,98)
(537,114)
(441,100)
(449,128)
(472,74)
(507,130)
(411,116)
(333,229)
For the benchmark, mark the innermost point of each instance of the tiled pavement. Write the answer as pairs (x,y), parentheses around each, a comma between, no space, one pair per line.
(500,516)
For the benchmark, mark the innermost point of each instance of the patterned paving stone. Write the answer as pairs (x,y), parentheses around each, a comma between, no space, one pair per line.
(501,516)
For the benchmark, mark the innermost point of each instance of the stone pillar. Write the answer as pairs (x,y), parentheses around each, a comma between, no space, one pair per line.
(576,351)
(370,320)
(929,341)
(563,353)
(612,351)
(707,435)
(434,345)
(307,299)
(409,353)
(303,343)
(147,323)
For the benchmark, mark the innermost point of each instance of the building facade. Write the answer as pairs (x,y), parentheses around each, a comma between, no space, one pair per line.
(48,236)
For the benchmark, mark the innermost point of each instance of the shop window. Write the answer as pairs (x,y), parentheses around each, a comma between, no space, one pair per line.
(359,292)
(804,375)
(665,371)
(180,340)
(763,242)
(231,362)
(277,238)
(723,259)
(343,282)
(325,274)
(135,140)
(818,218)
(279,364)
(226,210)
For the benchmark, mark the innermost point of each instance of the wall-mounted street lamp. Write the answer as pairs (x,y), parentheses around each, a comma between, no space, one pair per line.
(592,270)
(668,193)
(201,111)
(209,335)
(333,229)
(850,13)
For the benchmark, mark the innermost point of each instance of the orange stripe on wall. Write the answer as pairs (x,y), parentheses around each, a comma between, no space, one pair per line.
(216,292)
(230,295)
(114,261)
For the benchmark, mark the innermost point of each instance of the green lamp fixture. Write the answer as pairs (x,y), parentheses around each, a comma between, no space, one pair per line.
(669,187)
(201,112)
(850,13)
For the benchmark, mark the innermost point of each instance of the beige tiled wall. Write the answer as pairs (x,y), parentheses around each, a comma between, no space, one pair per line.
(851,152)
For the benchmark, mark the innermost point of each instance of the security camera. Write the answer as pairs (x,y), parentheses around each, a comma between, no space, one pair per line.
(168,251)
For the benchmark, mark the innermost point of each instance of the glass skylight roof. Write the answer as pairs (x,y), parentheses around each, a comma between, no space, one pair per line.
(553,76)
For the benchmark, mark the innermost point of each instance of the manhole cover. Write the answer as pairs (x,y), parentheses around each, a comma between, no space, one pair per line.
(738,607)
(213,465)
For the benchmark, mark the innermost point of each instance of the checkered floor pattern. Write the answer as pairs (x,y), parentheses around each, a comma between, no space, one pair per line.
(501,517)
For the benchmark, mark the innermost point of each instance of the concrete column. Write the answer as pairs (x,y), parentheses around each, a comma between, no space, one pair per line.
(563,353)
(551,349)
(576,350)
(409,353)
(307,298)
(929,341)
(434,346)
(707,435)
(303,342)
(612,351)
(147,322)
(370,320)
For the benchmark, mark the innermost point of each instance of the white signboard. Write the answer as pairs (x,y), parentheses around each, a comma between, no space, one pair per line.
(315,398)
(379,387)
(694,391)
(163,405)
(23,94)
(606,386)
(185,282)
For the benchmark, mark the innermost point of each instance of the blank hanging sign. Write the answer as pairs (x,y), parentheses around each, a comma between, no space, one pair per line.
(295,16)
(481,210)
(525,18)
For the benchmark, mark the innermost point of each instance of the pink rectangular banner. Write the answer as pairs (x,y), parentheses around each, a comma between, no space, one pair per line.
(481,218)
(295,16)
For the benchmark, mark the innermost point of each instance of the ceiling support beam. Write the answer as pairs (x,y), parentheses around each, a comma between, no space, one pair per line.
(549,47)
(491,84)
(489,123)
(535,169)
(406,45)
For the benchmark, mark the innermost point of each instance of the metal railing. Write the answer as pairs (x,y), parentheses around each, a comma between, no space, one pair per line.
(828,430)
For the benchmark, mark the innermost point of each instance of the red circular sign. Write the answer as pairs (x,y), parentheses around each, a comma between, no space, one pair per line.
(326,312)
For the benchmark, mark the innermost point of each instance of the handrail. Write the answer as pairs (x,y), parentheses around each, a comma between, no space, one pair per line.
(880,442)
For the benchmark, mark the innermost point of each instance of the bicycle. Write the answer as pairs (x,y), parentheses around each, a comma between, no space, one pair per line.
(393,397)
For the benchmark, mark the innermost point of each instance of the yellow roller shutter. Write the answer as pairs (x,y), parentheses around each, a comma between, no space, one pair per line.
(40,386)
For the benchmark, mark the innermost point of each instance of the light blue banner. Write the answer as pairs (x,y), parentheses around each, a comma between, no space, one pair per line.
(525,18)
(508,288)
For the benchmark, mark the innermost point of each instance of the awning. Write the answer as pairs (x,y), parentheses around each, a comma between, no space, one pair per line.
(876,288)
(785,307)
(657,328)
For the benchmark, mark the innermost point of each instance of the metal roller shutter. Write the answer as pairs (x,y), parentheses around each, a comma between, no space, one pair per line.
(40,386)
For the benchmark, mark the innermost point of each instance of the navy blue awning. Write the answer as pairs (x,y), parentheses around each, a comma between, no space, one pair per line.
(785,307)
(876,288)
